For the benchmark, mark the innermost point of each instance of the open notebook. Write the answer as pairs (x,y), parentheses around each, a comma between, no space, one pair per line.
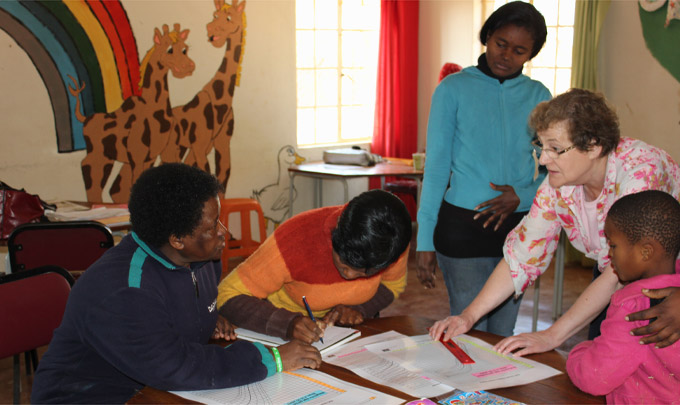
(333,337)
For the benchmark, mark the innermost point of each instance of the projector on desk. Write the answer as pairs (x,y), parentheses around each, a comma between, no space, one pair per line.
(351,156)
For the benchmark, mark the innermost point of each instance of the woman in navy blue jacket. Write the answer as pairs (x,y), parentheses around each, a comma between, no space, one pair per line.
(143,313)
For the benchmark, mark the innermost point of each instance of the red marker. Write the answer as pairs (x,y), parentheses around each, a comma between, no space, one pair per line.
(457,351)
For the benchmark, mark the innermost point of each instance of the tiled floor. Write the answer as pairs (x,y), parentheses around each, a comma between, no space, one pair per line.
(415,300)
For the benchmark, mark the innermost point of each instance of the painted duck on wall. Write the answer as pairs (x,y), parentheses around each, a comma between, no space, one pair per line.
(274,198)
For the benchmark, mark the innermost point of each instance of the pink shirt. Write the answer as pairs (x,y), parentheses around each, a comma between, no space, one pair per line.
(617,365)
(633,167)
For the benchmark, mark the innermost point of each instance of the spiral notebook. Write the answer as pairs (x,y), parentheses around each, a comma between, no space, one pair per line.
(334,337)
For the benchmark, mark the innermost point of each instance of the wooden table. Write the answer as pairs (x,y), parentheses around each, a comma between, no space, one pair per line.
(555,390)
(320,171)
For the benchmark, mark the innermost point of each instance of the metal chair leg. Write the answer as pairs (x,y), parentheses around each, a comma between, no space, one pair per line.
(559,276)
(34,360)
(27,360)
(17,378)
(537,294)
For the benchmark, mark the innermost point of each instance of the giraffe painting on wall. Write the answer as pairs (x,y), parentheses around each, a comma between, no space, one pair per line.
(207,121)
(137,132)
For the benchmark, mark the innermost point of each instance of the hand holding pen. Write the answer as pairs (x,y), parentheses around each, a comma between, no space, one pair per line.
(305,329)
(311,315)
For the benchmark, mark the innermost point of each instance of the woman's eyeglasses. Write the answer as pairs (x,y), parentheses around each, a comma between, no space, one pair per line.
(552,153)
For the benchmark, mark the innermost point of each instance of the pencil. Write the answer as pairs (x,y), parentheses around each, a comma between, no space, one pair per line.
(309,311)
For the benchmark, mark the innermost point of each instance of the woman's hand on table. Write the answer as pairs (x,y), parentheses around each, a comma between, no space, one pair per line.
(224,329)
(665,330)
(451,326)
(344,316)
(305,330)
(535,342)
(498,208)
(426,262)
(296,354)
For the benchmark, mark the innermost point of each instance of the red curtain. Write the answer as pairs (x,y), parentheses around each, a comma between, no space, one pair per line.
(395,132)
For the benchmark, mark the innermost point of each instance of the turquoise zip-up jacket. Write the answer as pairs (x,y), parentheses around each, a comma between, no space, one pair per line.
(477,134)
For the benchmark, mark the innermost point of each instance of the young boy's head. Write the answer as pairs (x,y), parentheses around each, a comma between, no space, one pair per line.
(643,231)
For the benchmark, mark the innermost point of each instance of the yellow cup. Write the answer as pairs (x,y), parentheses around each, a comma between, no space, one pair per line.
(419,161)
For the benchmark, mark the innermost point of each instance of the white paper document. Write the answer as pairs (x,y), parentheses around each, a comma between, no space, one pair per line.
(87,215)
(354,356)
(333,337)
(303,386)
(490,370)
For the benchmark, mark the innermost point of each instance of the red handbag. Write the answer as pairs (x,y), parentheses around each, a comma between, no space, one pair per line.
(18,207)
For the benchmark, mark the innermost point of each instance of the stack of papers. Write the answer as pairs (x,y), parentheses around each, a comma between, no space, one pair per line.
(333,337)
(112,215)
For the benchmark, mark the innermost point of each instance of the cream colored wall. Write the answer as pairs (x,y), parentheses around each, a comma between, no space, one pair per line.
(28,144)
(646,96)
(447,33)
(264,106)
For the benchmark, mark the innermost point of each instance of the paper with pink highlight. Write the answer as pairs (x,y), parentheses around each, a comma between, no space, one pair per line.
(422,355)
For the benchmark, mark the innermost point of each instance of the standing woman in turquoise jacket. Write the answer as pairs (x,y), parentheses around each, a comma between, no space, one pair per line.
(480,174)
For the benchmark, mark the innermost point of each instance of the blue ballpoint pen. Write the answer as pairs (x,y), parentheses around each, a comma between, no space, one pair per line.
(309,311)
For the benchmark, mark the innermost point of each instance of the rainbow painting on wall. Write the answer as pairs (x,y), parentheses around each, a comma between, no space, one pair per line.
(89,40)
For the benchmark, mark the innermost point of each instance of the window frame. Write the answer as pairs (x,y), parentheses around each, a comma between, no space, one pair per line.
(341,73)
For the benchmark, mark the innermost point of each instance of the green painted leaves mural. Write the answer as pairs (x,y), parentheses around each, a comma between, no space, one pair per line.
(662,41)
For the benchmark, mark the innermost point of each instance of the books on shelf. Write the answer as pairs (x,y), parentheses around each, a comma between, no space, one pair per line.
(334,337)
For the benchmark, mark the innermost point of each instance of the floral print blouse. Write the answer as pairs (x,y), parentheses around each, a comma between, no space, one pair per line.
(633,167)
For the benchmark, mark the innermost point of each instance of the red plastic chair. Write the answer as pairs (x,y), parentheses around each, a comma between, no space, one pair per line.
(33,303)
(73,245)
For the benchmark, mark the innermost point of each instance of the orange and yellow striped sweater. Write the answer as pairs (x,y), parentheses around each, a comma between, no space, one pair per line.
(296,260)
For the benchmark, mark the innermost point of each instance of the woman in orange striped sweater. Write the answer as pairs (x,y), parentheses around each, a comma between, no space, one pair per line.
(349,261)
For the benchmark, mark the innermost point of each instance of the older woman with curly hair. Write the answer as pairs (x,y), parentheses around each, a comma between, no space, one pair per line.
(590,166)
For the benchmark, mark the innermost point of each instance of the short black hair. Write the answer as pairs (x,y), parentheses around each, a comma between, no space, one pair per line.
(373,230)
(520,14)
(649,214)
(168,200)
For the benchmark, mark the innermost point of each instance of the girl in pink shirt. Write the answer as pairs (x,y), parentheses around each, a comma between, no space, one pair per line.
(643,233)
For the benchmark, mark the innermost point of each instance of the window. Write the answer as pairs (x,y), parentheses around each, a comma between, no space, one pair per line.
(337,56)
(552,66)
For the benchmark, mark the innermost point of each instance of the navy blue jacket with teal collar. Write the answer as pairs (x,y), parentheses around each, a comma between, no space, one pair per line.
(135,319)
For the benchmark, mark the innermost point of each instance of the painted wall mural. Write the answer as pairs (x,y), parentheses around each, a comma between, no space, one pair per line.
(89,40)
(136,133)
(207,121)
(86,54)
(274,198)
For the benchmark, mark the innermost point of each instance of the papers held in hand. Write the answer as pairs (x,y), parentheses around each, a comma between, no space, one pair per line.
(334,336)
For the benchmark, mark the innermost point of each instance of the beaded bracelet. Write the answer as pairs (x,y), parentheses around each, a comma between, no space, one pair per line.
(277,358)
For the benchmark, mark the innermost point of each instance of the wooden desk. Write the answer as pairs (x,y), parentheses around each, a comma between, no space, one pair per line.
(323,171)
(554,390)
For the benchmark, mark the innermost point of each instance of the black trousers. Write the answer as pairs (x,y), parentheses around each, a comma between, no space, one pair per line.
(594,328)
